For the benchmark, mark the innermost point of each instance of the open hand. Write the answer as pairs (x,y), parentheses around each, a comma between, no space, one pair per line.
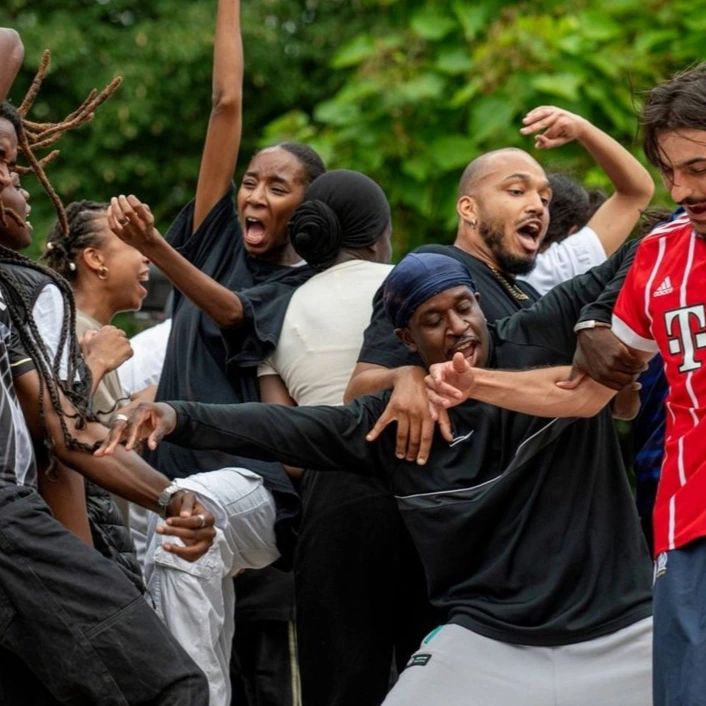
(132,221)
(149,421)
(409,407)
(555,126)
(450,383)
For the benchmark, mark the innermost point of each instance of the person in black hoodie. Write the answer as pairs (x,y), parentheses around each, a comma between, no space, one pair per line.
(525,526)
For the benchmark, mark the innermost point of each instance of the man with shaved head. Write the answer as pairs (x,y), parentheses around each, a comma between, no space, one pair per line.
(503,215)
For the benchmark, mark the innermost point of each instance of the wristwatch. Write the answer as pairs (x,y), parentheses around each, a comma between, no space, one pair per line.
(591,323)
(165,497)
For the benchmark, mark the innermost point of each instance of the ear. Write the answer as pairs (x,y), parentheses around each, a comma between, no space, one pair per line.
(406,337)
(467,209)
(92,258)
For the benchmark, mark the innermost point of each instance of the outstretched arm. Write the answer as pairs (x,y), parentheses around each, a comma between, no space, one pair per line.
(125,474)
(12,54)
(633,185)
(220,151)
(324,438)
(536,392)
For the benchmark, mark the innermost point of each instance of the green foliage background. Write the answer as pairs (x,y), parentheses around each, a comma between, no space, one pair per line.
(405,90)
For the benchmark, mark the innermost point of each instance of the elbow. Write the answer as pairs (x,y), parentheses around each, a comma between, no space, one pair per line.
(349,395)
(641,190)
(353,390)
(15,48)
(228,318)
(226,102)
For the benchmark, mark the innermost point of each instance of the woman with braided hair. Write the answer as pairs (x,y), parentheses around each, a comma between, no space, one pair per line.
(107,277)
(75,630)
(234,272)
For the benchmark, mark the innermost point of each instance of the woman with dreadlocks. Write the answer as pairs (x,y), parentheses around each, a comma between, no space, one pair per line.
(75,630)
(234,272)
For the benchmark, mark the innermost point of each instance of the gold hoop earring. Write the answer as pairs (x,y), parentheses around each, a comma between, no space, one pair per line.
(102,272)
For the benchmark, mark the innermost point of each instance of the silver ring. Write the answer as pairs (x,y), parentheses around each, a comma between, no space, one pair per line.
(121,418)
(203,521)
(124,221)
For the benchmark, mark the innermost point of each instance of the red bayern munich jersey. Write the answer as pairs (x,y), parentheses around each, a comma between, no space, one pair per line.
(662,308)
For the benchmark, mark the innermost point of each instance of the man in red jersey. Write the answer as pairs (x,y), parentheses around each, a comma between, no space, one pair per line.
(662,308)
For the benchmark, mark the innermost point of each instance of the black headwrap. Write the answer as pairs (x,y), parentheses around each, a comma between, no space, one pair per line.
(417,278)
(341,209)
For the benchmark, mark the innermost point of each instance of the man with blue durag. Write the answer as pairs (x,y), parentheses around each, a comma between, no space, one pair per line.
(526,526)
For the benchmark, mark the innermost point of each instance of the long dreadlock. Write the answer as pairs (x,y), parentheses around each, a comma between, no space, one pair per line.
(74,382)
(32,136)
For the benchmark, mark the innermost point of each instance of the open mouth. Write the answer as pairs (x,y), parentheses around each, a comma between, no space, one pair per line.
(21,221)
(696,211)
(142,279)
(254,231)
(469,347)
(529,234)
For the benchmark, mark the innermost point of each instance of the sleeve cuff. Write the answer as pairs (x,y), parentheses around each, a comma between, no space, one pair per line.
(631,338)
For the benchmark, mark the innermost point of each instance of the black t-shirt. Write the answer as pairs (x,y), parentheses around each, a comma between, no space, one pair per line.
(16,455)
(207,364)
(500,296)
(526,527)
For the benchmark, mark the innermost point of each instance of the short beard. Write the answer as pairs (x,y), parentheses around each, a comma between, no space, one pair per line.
(506,261)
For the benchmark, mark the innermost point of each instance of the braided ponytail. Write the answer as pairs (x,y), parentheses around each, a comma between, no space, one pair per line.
(63,247)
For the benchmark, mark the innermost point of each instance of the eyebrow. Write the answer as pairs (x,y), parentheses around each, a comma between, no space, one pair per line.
(689,162)
(468,294)
(522,176)
(276,178)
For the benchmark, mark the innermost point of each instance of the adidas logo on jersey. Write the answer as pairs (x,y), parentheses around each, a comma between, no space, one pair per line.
(664,288)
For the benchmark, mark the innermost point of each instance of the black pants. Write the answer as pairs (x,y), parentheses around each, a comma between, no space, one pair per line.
(360,592)
(263,667)
(70,618)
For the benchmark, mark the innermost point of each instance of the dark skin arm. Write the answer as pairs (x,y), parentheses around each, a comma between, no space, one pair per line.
(220,155)
(12,55)
(408,407)
(124,474)
(602,356)
(133,222)
(64,491)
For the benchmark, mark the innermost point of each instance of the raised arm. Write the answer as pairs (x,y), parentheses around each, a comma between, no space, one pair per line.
(220,152)
(633,185)
(12,54)
(132,221)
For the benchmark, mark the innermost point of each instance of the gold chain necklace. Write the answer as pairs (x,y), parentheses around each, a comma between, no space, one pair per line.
(512,289)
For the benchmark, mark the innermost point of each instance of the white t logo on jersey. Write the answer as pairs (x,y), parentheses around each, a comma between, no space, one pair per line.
(682,340)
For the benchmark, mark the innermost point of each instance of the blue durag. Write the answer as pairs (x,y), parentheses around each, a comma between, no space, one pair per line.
(418,277)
